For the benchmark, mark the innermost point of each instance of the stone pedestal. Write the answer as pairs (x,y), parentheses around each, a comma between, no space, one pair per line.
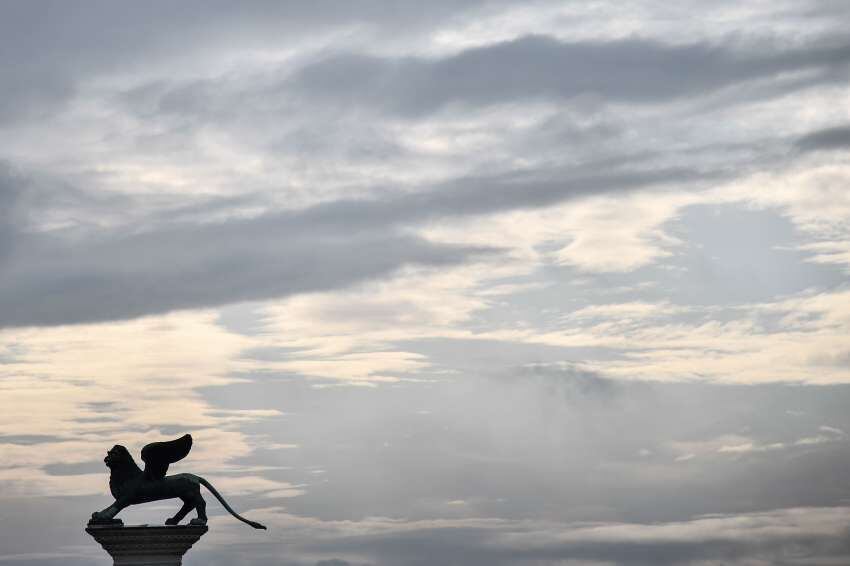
(141,545)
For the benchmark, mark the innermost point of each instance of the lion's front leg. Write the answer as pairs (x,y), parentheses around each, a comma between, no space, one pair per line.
(108,514)
(175,520)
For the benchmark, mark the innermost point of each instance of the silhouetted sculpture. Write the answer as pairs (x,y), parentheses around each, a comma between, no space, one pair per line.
(131,486)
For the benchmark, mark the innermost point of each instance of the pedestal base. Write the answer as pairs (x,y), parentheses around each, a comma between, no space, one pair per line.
(141,545)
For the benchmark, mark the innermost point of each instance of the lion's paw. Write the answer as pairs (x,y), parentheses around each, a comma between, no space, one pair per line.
(199,522)
(101,518)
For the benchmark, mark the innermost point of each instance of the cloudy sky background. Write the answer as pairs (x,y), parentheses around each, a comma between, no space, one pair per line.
(460,283)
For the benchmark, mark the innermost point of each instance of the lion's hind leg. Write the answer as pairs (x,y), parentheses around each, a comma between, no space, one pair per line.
(201,506)
(188,505)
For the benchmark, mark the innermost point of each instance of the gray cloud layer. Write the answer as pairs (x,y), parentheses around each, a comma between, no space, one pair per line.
(158,264)
(50,48)
(49,279)
(542,449)
(169,261)
(827,139)
(61,279)
(553,444)
(532,466)
(627,70)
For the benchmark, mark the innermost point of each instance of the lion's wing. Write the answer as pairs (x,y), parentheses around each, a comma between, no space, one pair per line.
(158,455)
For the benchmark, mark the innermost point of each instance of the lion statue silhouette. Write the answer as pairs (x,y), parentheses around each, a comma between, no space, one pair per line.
(131,486)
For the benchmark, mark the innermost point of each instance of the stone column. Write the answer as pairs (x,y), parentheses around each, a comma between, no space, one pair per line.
(142,545)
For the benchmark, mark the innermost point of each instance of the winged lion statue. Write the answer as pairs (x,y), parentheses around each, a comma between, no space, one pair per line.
(131,486)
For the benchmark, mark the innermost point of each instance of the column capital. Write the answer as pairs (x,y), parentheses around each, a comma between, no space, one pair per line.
(144,545)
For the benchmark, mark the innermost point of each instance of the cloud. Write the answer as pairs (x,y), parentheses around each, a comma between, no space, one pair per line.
(780,536)
(537,234)
(29,439)
(53,279)
(195,268)
(574,455)
(45,59)
(825,140)
(632,70)
(807,347)
(115,274)
(10,192)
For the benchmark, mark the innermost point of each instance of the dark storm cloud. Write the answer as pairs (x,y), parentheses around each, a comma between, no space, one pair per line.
(826,139)
(535,66)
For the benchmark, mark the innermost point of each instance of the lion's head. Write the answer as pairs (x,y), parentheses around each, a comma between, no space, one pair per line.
(117,457)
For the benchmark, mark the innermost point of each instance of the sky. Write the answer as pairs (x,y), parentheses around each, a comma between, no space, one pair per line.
(452,282)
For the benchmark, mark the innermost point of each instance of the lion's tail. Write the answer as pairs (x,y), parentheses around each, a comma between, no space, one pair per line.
(218,496)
